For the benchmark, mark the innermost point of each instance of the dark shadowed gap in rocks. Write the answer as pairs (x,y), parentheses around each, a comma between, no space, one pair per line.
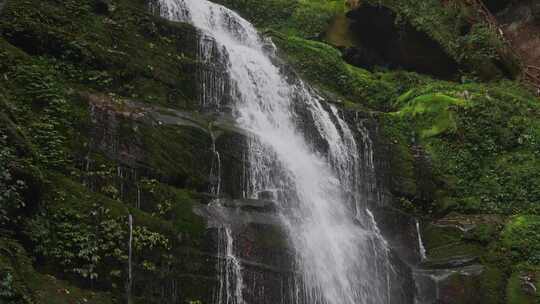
(383,42)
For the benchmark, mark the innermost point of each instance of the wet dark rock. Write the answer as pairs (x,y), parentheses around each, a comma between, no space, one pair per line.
(451,286)
(528,285)
(138,136)
(402,289)
(266,195)
(218,215)
(364,57)
(397,46)
(455,271)
(496,6)
(263,251)
(104,6)
(263,206)
(2,4)
(400,231)
(451,262)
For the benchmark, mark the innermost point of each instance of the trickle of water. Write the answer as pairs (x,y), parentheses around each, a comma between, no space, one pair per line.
(138,201)
(421,248)
(341,256)
(234,271)
(215,169)
(230,286)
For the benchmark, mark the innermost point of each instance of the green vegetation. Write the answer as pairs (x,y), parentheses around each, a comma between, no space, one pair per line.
(63,65)
(303,18)
(488,150)
(514,291)
(323,66)
(432,111)
(10,188)
(470,148)
(476,47)
(521,237)
(69,68)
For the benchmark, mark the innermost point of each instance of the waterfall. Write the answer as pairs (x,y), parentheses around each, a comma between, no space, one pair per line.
(129,283)
(312,165)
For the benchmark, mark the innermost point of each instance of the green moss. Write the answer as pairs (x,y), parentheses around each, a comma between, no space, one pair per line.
(478,49)
(481,139)
(172,205)
(515,293)
(521,236)
(304,18)
(455,251)
(401,158)
(431,113)
(492,285)
(129,52)
(323,66)
(22,284)
(435,236)
(180,159)
(82,235)
(484,233)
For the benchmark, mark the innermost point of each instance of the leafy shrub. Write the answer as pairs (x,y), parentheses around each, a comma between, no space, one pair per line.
(10,189)
(521,237)
(81,244)
(481,43)
(41,89)
(6,286)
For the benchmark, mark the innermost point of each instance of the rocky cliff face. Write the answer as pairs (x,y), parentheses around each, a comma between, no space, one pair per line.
(100,118)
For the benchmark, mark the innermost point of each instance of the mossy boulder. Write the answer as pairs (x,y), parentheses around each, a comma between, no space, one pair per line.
(323,66)
(432,112)
(308,19)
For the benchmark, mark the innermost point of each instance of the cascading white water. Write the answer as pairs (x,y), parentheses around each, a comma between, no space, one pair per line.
(421,248)
(341,255)
(230,286)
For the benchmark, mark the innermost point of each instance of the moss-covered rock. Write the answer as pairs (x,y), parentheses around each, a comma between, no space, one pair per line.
(322,65)
(21,283)
(521,236)
(438,118)
(129,51)
(303,18)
